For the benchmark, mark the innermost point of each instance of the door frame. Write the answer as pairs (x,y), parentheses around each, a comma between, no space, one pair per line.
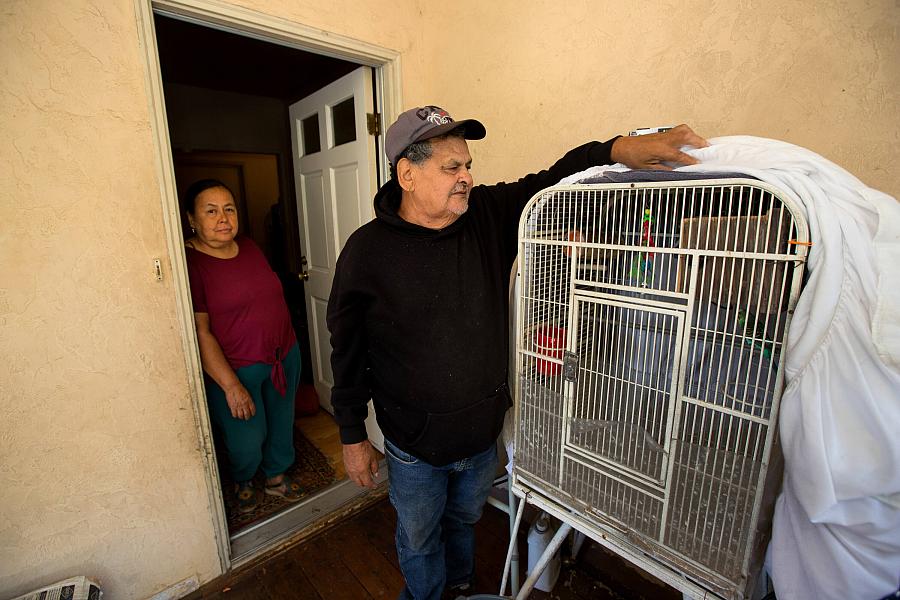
(268,28)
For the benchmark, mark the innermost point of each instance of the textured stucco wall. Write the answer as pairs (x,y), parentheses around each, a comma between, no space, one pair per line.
(99,464)
(100,471)
(396,25)
(546,75)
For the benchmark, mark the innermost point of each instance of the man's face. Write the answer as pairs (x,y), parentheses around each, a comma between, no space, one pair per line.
(440,186)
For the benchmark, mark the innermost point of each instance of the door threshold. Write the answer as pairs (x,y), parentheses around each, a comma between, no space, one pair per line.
(288,525)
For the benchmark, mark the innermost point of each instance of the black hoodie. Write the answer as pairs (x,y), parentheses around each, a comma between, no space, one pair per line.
(418,318)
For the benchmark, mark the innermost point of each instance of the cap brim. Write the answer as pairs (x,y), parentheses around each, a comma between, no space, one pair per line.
(474,130)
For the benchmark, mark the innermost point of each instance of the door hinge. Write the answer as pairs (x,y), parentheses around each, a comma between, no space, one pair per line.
(373,123)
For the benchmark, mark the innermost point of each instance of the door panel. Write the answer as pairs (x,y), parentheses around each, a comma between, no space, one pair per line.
(316,237)
(334,167)
(346,185)
(322,346)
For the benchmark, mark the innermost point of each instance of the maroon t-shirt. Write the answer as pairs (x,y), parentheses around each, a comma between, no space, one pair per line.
(245,303)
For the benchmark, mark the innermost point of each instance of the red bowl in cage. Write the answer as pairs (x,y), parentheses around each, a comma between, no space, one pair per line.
(549,341)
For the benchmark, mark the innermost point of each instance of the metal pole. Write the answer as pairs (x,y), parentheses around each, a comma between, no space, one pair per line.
(513,546)
(535,574)
(513,535)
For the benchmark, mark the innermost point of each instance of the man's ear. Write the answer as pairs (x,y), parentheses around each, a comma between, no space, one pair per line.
(405,175)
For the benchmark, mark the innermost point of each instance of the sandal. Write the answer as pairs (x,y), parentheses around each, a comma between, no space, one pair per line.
(247,498)
(287,488)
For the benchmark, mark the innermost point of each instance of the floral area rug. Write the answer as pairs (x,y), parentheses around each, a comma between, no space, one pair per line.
(311,470)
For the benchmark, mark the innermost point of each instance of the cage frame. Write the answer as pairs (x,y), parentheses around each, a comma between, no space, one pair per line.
(682,572)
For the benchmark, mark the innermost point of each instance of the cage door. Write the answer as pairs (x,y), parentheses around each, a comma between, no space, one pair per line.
(622,401)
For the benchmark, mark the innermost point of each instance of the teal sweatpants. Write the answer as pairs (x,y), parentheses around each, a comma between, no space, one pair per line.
(266,440)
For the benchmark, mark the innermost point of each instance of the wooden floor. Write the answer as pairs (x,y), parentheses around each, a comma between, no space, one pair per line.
(356,560)
(321,430)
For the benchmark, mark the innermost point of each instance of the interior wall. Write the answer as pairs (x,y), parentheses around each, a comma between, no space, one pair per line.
(204,119)
(100,461)
(545,76)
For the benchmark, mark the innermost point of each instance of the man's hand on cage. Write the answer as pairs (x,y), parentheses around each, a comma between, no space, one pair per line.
(655,150)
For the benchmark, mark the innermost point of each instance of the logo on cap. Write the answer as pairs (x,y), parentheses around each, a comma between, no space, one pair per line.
(434,115)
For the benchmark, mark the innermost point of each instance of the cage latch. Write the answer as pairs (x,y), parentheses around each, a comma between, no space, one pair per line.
(570,367)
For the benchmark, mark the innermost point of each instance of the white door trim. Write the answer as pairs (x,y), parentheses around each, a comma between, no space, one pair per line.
(227,17)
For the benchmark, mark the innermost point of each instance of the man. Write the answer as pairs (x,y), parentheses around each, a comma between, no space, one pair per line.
(418,317)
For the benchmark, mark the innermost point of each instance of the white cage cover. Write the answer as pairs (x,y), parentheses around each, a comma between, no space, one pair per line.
(650,330)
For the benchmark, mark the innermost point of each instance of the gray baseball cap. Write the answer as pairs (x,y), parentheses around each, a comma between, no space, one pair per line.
(422,123)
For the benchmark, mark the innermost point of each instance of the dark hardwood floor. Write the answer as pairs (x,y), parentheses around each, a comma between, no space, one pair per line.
(355,560)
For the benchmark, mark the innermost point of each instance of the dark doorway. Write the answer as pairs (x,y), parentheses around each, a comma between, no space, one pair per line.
(227,99)
(227,102)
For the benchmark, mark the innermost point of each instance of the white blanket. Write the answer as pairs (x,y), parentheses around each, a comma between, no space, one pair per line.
(836,533)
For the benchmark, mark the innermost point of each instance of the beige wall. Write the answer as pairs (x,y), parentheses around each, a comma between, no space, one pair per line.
(546,75)
(100,464)
(100,471)
(99,460)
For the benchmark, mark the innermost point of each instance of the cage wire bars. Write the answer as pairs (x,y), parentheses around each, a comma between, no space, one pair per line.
(650,328)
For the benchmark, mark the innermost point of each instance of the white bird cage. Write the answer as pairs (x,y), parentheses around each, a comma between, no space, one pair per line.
(651,320)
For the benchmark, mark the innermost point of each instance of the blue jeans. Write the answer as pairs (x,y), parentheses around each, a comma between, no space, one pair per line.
(437,508)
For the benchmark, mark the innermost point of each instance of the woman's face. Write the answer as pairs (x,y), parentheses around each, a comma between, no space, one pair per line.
(215,217)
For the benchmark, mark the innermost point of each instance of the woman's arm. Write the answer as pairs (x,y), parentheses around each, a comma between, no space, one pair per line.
(216,366)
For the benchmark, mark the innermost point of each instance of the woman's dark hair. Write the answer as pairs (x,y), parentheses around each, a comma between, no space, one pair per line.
(189,202)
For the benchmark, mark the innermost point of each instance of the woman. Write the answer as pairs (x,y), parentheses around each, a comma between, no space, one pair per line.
(247,345)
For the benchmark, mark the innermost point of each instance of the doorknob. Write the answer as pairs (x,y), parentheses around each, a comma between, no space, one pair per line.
(303,274)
